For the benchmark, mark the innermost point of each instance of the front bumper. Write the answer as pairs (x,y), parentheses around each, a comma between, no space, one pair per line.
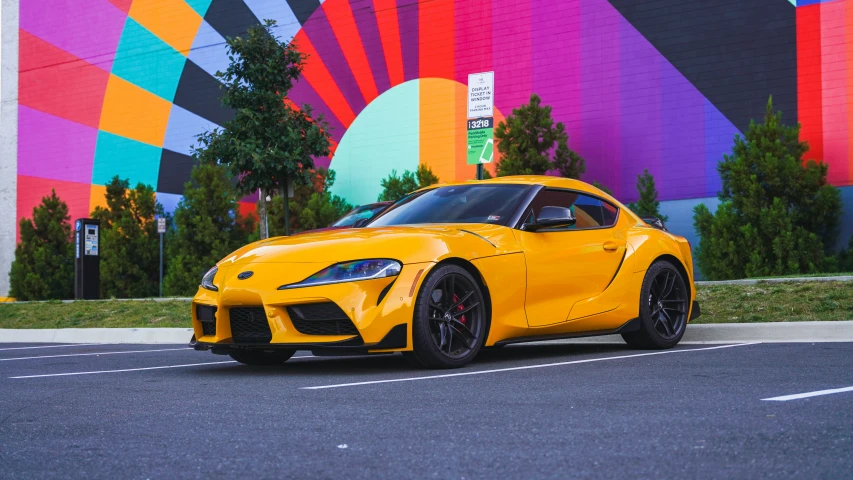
(380,310)
(695,311)
(396,339)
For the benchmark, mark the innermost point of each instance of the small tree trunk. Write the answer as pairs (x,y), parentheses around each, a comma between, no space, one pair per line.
(286,210)
(262,214)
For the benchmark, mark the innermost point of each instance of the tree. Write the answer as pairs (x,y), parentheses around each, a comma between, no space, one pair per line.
(270,141)
(208,226)
(844,260)
(320,180)
(322,209)
(777,213)
(395,188)
(526,142)
(647,205)
(601,187)
(43,268)
(130,255)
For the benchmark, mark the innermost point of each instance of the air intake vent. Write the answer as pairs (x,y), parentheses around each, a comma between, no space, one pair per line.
(249,325)
(321,319)
(207,316)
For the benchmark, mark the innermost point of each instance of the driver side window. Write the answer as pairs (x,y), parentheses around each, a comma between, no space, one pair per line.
(589,211)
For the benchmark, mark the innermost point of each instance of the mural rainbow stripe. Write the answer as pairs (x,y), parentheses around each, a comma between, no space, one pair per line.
(121,87)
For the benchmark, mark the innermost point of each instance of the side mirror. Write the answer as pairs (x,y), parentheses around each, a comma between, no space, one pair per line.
(552,217)
(360,222)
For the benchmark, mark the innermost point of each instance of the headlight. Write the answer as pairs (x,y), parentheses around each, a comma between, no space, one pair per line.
(207,279)
(350,272)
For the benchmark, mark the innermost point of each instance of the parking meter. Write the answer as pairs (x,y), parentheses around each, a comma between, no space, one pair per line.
(87,259)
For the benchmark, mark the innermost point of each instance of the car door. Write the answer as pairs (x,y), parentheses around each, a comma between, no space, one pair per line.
(568,265)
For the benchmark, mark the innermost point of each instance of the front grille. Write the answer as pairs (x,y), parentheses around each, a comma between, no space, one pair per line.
(321,319)
(249,325)
(207,316)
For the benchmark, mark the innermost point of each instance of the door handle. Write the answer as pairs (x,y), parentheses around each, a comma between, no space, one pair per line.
(610,246)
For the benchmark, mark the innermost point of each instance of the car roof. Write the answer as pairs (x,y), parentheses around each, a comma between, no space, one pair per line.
(544,180)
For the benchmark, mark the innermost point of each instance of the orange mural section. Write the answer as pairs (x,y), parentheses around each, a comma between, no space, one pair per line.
(134,112)
(438,127)
(174,21)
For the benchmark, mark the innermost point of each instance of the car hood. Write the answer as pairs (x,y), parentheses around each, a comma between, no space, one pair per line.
(408,244)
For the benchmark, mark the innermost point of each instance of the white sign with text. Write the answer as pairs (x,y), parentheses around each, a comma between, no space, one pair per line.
(481,94)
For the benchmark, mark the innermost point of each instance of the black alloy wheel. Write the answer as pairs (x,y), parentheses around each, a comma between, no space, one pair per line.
(664,305)
(450,319)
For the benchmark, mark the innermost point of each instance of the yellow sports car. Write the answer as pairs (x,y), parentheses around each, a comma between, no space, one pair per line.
(451,269)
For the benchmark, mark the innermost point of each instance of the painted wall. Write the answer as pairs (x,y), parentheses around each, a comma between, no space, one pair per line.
(110,87)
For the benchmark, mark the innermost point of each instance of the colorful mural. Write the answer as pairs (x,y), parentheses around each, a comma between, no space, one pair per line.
(122,87)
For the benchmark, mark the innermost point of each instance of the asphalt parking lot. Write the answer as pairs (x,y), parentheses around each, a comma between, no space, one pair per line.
(524,411)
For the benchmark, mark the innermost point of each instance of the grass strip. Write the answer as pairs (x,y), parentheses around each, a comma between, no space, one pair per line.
(775,302)
(763,302)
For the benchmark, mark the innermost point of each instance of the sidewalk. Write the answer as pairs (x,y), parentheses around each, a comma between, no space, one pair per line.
(770,332)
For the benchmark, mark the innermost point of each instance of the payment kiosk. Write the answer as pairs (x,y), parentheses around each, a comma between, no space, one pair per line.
(87,259)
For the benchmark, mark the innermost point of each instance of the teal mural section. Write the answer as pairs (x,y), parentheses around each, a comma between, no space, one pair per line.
(385,136)
(117,155)
(139,53)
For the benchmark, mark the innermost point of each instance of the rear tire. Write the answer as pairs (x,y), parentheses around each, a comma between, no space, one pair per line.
(260,357)
(450,321)
(664,303)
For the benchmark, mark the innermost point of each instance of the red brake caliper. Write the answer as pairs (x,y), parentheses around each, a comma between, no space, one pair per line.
(459,308)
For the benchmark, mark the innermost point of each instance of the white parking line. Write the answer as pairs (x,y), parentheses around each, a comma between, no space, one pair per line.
(525,367)
(52,346)
(123,370)
(94,354)
(798,396)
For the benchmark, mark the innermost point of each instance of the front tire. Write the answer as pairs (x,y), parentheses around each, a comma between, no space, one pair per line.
(449,325)
(260,357)
(664,303)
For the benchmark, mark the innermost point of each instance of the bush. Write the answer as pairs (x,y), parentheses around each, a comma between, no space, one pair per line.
(43,268)
(208,226)
(777,213)
(394,188)
(528,139)
(647,205)
(322,209)
(130,255)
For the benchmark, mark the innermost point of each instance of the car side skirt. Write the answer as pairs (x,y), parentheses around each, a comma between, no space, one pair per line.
(630,326)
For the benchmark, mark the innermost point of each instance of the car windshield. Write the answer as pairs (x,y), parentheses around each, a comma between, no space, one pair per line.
(489,203)
(365,211)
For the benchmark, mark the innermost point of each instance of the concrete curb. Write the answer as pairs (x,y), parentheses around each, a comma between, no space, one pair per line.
(775,332)
(753,281)
(96,335)
(767,332)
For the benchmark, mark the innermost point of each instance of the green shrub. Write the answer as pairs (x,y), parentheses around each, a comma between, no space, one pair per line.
(130,255)
(647,205)
(208,226)
(394,188)
(777,213)
(529,142)
(43,268)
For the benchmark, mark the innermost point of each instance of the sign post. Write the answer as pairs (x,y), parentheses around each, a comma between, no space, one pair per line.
(161,229)
(481,122)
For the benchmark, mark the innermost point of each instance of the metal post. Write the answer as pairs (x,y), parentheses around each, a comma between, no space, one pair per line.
(161,264)
(479,171)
